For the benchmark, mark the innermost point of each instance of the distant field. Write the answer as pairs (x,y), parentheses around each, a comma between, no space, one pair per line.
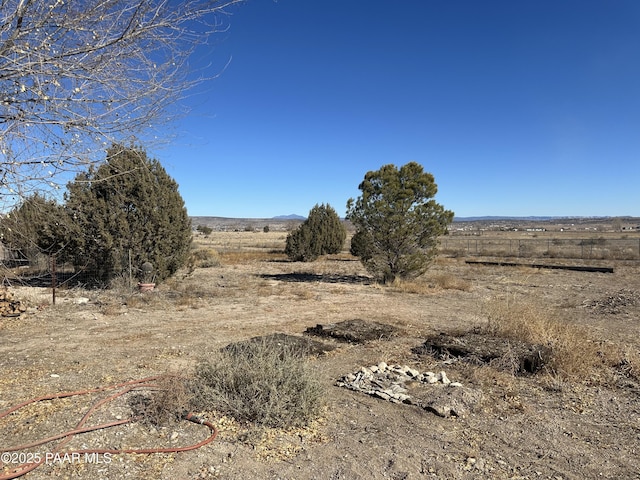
(554,244)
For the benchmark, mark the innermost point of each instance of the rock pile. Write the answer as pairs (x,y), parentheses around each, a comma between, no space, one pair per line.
(9,305)
(392,383)
(431,391)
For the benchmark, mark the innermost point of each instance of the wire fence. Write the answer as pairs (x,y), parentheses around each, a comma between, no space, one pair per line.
(47,271)
(569,248)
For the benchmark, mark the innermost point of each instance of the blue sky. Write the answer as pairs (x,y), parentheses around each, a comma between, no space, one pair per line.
(517,108)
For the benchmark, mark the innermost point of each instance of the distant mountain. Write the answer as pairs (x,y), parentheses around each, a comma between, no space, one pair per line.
(292,216)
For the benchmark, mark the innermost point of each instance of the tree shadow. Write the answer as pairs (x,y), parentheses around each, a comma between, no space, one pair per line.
(315,277)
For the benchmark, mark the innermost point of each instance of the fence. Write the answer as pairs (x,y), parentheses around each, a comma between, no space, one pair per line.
(582,248)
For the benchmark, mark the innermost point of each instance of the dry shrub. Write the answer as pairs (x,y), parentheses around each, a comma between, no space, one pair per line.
(169,401)
(203,258)
(574,352)
(265,382)
(447,281)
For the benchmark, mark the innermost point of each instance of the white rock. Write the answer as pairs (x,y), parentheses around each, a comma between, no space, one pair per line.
(397,388)
(382,395)
(402,397)
(81,301)
(429,377)
(455,384)
(54,375)
(382,366)
(443,378)
(412,373)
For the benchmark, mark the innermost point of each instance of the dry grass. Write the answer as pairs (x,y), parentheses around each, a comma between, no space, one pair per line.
(238,257)
(575,351)
(431,283)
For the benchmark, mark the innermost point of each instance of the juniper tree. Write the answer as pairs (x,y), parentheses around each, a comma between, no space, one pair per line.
(36,227)
(321,233)
(130,212)
(397,221)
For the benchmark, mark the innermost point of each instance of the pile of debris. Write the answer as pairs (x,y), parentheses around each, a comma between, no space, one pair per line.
(614,303)
(519,358)
(9,305)
(354,331)
(402,384)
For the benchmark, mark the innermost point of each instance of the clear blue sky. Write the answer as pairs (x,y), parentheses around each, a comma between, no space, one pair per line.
(516,107)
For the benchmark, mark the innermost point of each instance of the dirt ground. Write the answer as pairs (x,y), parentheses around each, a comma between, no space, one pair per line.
(536,426)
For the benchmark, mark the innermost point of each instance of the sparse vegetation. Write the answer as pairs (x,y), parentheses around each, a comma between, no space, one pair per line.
(587,384)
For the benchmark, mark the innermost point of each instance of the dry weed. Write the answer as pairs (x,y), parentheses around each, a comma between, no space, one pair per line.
(447,281)
(574,351)
(169,401)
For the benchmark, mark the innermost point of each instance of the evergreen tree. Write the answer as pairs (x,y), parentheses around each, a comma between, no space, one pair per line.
(321,233)
(130,212)
(397,221)
(36,228)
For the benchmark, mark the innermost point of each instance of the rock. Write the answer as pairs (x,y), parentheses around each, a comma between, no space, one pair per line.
(448,402)
(412,373)
(443,378)
(382,395)
(367,373)
(429,377)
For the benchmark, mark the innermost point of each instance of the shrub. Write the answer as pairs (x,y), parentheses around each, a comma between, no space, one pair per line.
(203,258)
(203,229)
(265,382)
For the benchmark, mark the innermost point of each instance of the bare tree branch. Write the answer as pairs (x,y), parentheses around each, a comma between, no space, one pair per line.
(79,75)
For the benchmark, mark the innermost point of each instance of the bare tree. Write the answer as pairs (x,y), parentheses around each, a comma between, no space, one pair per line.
(79,75)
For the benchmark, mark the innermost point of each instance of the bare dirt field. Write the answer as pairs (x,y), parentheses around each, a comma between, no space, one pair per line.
(548,425)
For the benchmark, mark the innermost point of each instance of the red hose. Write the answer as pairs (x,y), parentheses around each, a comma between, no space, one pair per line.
(25,468)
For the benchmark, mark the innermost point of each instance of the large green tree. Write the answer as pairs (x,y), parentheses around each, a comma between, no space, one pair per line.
(397,221)
(130,212)
(321,233)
